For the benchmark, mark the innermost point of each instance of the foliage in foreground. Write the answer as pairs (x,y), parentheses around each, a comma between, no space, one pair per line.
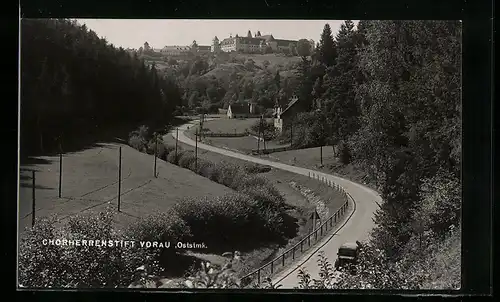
(84,266)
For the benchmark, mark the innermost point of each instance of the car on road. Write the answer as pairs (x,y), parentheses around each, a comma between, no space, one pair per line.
(347,254)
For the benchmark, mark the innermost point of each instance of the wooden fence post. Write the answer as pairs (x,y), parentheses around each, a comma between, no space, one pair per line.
(60,174)
(33,207)
(119,177)
(176,141)
(156,154)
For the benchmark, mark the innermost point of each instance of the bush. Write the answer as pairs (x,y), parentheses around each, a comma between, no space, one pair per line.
(152,144)
(91,266)
(167,150)
(266,195)
(162,227)
(205,168)
(186,160)
(250,181)
(79,266)
(226,173)
(172,158)
(40,265)
(220,222)
(256,168)
(137,143)
(344,153)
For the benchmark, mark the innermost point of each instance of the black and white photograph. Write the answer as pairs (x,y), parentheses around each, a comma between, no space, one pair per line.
(240,154)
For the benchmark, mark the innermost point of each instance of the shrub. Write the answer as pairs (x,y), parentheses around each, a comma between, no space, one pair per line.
(344,153)
(167,150)
(220,222)
(162,227)
(95,266)
(204,168)
(172,158)
(137,143)
(186,160)
(256,168)
(78,265)
(250,181)
(266,196)
(40,265)
(225,172)
(160,151)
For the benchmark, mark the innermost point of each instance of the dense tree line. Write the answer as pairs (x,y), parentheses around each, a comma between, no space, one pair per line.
(75,84)
(390,97)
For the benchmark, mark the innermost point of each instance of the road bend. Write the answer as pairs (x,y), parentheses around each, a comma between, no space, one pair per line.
(356,225)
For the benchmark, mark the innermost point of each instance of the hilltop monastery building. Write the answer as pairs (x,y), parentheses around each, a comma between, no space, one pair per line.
(246,44)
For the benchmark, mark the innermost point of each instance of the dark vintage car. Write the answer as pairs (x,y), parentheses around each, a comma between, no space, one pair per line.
(347,254)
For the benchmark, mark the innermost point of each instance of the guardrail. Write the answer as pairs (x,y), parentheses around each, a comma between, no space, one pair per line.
(305,243)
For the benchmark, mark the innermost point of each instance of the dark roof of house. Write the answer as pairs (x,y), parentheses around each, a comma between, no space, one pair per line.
(252,41)
(204,47)
(290,105)
(267,37)
(285,42)
(239,108)
(175,47)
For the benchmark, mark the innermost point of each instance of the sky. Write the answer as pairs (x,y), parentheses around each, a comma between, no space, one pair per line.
(132,33)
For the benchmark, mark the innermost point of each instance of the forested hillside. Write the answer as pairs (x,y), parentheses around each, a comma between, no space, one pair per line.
(390,100)
(212,81)
(387,96)
(75,85)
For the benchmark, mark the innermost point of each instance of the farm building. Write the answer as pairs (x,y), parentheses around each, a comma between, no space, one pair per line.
(283,118)
(241,110)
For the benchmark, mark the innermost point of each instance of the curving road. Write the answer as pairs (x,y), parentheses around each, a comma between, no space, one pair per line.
(356,226)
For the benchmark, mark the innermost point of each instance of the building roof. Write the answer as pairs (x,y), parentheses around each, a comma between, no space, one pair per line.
(267,37)
(285,42)
(251,41)
(238,108)
(294,101)
(203,47)
(176,47)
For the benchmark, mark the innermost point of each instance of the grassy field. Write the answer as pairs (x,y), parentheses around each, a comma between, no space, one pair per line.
(311,158)
(241,144)
(271,58)
(89,184)
(281,180)
(227,125)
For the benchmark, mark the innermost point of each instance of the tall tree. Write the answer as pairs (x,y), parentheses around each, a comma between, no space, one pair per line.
(340,94)
(411,116)
(303,48)
(326,48)
(74,82)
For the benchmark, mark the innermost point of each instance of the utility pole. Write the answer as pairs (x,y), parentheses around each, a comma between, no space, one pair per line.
(156,153)
(321,154)
(60,174)
(176,140)
(196,152)
(33,208)
(260,130)
(119,177)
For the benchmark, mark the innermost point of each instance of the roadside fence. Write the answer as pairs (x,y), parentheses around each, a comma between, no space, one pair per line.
(310,240)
